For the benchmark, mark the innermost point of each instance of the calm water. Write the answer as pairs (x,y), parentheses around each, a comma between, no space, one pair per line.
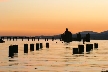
(58,58)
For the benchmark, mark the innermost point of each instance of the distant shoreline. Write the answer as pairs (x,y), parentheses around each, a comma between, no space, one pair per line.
(93,36)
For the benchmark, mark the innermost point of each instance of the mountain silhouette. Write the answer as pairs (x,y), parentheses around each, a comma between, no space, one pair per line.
(104,32)
(90,32)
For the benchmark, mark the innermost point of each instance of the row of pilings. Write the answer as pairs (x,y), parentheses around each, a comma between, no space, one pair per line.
(28,38)
(13,49)
(89,47)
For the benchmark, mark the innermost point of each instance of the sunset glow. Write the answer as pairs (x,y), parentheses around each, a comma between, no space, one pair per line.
(50,17)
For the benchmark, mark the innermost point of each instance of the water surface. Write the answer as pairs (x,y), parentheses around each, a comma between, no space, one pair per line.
(58,58)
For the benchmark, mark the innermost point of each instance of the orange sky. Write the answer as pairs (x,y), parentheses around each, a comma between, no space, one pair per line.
(50,17)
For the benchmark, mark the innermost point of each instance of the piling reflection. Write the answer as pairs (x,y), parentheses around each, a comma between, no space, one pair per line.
(58,58)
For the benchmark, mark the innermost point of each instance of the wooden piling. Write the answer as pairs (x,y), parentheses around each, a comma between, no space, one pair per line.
(81,49)
(11,51)
(41,45)
(47,39)
(28,38)
(75,50)
(88,48)
(95,45)
(37,46)
(31,47)
(91,46)
(25,48)
(15,48)
(38,39)
(47,45)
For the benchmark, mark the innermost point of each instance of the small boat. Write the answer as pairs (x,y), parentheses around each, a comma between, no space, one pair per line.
(1,41)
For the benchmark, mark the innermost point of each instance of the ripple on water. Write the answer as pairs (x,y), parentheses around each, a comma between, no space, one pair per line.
(58,58)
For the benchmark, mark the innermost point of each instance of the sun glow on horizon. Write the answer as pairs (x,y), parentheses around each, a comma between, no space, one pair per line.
(51,17)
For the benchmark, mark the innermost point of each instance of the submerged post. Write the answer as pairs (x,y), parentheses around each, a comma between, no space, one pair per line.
(22,38)
(25,48)
(15,48)
(16,38)
(83,40)
(75,50)
(10,38)
(32,38)
(11,51)
(13,38)
(91,46)
(52,38)
(88,48)
(28,38)
(95,45)
(38,38)
(47,39)
(37,46)
(7,38)
(41,45)
(47,45)
(31,47)
(60,39)
(81,49)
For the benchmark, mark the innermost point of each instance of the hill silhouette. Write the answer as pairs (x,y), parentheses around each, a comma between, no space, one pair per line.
(104,32)
(90,32)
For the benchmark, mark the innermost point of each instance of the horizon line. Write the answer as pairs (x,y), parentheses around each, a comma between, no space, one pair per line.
(52,35)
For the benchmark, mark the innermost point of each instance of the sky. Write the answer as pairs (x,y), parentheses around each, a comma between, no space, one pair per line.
(51,17)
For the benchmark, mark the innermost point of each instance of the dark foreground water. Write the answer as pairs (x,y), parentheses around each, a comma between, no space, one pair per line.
(58,58)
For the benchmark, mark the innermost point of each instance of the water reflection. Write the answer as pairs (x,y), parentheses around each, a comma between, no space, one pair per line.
(58,58)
